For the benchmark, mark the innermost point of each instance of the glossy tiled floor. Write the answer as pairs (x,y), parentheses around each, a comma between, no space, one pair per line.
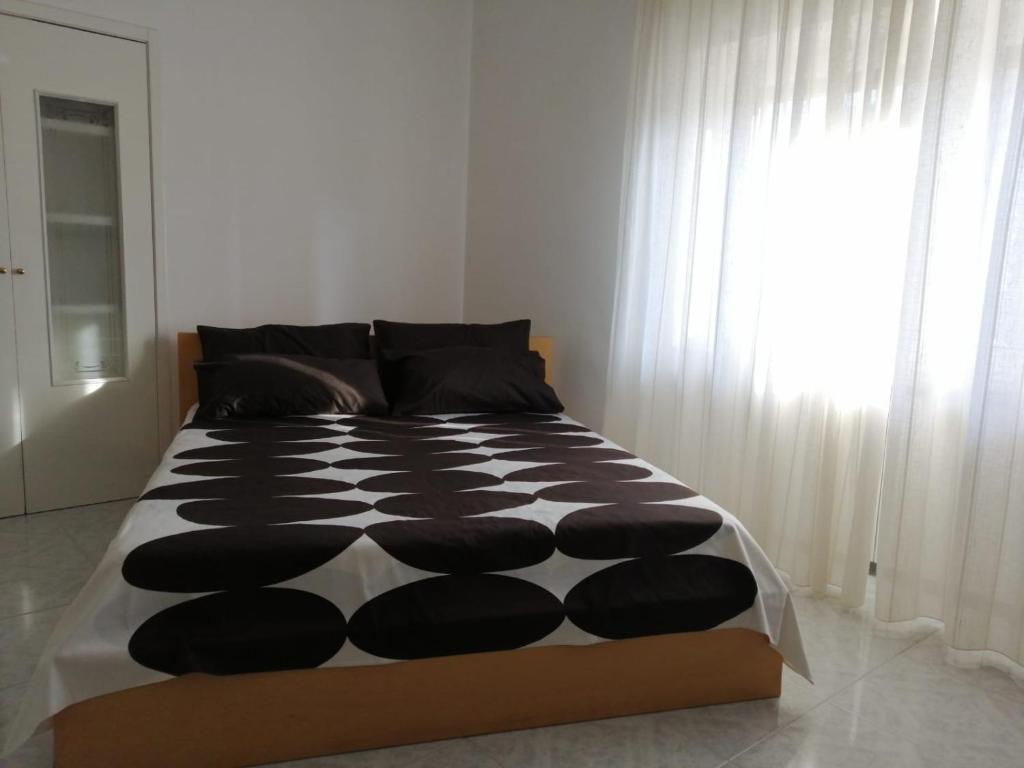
(884,696)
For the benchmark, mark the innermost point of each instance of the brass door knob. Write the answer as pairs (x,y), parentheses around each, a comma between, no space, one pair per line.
(19,270)
(3,270)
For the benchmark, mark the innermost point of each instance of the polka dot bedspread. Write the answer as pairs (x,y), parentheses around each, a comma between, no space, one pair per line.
(353,540)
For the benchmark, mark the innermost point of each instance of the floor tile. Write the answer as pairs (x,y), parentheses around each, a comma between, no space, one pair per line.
(842,645)
(705,736)
(47,557)
(931,653)
(945,709)
(89,528)
(37,752)
(26,546)
(22,639)
(829,737)
(10,700)
(106,515)
(30,589)
(455,753)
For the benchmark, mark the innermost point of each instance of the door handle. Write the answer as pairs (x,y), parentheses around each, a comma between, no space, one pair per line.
(19,270)
(3,270)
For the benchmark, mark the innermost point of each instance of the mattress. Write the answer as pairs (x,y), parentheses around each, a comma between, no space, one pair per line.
(352,540)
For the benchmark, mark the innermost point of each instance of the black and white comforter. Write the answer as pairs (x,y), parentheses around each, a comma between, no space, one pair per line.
(339,541)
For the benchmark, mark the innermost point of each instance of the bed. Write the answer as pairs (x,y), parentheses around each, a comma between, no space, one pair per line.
(319,585)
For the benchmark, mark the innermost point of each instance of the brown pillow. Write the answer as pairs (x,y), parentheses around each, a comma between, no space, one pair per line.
(467,380)
(339,341)
(264,385)
(514,335)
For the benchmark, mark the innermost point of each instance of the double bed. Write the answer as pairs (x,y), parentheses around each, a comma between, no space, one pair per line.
(312,585)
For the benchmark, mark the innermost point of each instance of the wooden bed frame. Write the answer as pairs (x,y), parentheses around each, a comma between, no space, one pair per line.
(204,721)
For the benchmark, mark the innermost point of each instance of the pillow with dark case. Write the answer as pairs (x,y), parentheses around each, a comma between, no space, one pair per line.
(408,337)
(247,386)
(468,380)
(338,341)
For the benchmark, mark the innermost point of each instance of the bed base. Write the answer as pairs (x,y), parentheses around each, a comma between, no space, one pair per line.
(204,721)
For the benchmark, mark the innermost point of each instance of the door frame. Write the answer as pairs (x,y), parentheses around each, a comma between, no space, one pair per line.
(163,335)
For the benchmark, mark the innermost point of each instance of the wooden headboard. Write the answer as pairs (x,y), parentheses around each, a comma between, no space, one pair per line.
(190,351)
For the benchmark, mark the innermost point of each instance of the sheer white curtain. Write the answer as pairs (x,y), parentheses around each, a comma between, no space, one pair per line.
(951,525)
(819,319)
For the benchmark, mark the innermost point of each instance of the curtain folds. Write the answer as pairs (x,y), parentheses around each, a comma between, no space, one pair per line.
(820,316)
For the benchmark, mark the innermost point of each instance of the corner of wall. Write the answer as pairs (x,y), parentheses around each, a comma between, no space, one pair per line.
(467,191)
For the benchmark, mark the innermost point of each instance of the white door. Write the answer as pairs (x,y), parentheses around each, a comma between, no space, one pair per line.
(12,487)
(74,116)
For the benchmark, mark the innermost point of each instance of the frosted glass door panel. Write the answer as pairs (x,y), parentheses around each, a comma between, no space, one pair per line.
(78,143)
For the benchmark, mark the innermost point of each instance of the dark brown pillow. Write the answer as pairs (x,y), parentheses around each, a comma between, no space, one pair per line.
(338,341)
(467,380)
(247,386)
(408,337)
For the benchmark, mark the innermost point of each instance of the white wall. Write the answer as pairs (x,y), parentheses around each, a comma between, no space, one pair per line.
(313,160)
(548,116)
(313,156)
